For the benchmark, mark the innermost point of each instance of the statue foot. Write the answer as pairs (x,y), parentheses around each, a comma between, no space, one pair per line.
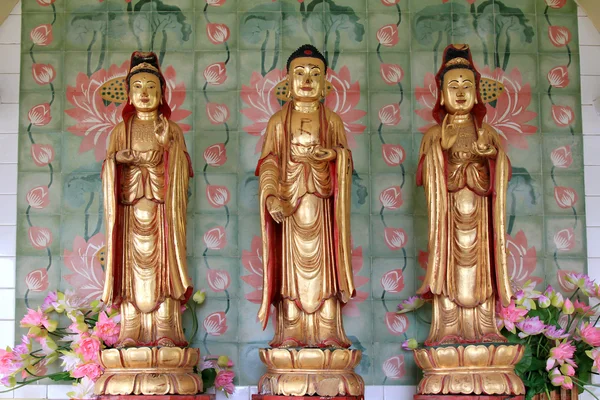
(494,338)
(127,342)
(165,342)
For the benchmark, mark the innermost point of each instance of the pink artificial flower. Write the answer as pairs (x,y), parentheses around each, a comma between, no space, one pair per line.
(390,115)
(554,333)
(565,197)
(557,379)
(387,35)
(215,324)
(218,280)
(35,318)
(90,370)
(581,281)
(107,329)
(86,262)
(393,154)
(38,197)
(411,304)
(217,33)
(530,326)
(218,196)
(391,198)
(558,77)
(49,301)
(37,280)
(594,354)
(215,155)
(393,281)
(217,113)
(40,238)
(589,334)
(224,381)
(563,116)
(560,354)
(583,309)
(215,238)
(509,316)
(391,74)
(564,240)
(562,157)
(393,367)
(89,348)
(396,324)
(40,115)
(215,74)
(42,154)
(41,35)
(395,238)
(560,36)
(43,74)
(9,362)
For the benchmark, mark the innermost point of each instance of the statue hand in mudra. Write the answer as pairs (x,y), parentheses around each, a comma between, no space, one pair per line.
(275,208)
(482,147)
(323,154)
(162,132)
(126,156)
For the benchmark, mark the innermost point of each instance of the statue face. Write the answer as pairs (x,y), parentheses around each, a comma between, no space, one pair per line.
(307,78)
(458,91)
(144,91)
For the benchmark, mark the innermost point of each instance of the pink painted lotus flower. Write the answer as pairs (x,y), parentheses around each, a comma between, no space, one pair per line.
(393,154)
(217,113)
(43,74)
(391,74)
(215,324)
(563,116)
(40,238)
(217,33)
(390,115)
(45,3)
(215,238)
(556,3)
(558,77)
(560,36)
(42,35)
(530,326)
(42,154)
(393,367)
(562,157)
(38,197)
(252,262)
(521,259)
(395,238)
(565,197)
(215,74)
(218,279)
(86,262)
(509,316)
(564,240)
(393,281)
(215,155)
(391,198)
(218,196)
(387,35)
(37,280)
(396,324)
(351,308)
(40,115)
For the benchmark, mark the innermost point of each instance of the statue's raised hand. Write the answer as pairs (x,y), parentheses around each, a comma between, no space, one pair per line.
(162,131)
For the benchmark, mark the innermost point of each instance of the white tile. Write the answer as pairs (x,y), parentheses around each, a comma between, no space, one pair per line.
(9,116)
(7,334)
(7,299)
(594,268)
(10,30)
(398,392)
(592,211)
(241,393)
(590,120)
(593,240)
(373,392)
(7,395)
(11,58)
(32,392)
(8,178)
(592,180)
(8,205)
(591,150)
(253,390)
(59,392)
(590,89)
(588,34)
(9,143)
(8,239)
(9,88)
(17,9)
(8,269)
(589,60)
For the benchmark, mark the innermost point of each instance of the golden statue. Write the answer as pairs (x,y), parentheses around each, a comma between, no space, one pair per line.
(145,181)
(305,173)
(465,173)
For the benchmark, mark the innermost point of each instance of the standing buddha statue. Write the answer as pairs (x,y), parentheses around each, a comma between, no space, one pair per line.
(145,181)
(305,172)
(465,172)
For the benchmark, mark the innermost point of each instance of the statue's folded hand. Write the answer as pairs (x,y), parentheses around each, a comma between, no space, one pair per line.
(275,208)
(126,157)
(324,154)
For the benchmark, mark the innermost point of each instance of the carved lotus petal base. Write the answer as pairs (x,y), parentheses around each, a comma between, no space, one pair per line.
(149,371)
(474,369)
(310,372)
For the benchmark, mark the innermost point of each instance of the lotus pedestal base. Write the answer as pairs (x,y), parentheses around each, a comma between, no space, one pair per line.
(466,397)
(310,372)
(483,370)
(275,397)
(167,397)
(149,371)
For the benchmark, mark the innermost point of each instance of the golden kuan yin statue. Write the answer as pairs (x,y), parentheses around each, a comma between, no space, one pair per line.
(145,182)
(305,173)
(465,173)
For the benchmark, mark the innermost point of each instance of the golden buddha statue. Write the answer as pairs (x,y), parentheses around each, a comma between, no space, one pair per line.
(145,181)
(465,173)
(305,172)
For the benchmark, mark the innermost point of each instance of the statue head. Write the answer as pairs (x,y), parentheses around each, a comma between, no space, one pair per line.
(307,68)
(145,85)
(458,83)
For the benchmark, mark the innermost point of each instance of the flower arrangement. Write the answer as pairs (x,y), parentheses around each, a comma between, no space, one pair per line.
(90,327)
(562,344)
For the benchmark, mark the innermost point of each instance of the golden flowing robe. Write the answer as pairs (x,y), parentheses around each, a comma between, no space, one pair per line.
(307,263)
(467,268)
(145,212)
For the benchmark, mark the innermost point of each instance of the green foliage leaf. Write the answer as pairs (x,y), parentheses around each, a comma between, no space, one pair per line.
(433,21)
(61,377)
(208,377)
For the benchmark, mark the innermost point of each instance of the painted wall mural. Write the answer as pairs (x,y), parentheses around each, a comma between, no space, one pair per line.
(222,60)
